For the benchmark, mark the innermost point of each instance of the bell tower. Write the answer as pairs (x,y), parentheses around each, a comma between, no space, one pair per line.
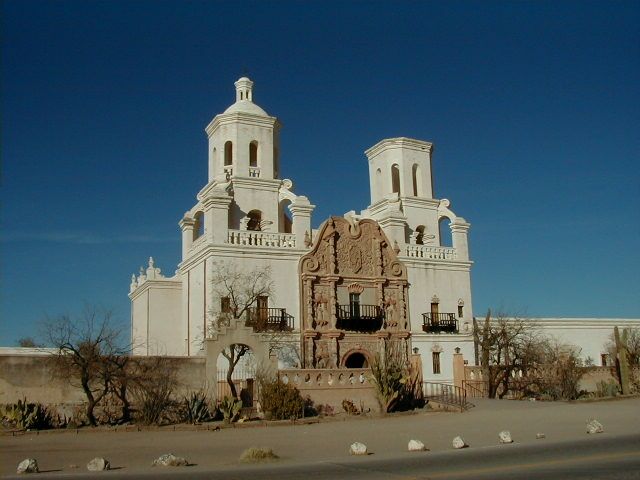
(244,139)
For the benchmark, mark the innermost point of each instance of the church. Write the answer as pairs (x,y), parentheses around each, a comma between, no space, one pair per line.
(338,292)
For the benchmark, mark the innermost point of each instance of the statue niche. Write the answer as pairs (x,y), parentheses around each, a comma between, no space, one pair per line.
(354,289)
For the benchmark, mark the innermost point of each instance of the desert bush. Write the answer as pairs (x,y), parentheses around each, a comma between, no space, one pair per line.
(258,454)
(28,416)
(152,386)
(325,410)
(349,407)
(282,401)
(607,389)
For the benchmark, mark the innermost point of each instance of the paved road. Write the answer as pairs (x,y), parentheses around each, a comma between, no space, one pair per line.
(320,450)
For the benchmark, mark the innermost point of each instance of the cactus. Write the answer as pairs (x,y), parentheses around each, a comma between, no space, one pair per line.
(622,359)
(196,409)
(230,408)
(28,416)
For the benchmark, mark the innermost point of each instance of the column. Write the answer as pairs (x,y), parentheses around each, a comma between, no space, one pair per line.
(459,230)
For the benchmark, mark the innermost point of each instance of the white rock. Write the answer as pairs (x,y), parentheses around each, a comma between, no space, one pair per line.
(98,464)
(594,426)
(416,446)
(505,437)
(458,442)
(28,465)
(358,448)
(540,435)
(169,460)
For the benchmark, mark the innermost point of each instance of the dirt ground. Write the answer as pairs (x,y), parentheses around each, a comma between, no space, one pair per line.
(68,451)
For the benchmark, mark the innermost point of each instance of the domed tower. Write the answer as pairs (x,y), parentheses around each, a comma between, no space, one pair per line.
(244,140)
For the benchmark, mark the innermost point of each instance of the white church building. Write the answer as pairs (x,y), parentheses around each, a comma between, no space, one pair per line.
(340,291)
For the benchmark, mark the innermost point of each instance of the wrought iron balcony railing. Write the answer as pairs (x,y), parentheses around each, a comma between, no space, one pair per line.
(360,318)
(269,320)
(439,323)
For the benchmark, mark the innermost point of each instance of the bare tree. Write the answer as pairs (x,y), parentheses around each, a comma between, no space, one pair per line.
(509,349)
(85,351)
(27,342)
(238,291)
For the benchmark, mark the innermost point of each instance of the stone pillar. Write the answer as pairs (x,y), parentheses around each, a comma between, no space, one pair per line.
(458,370)
(394,225)
(301,211)
(459,231)
(186,225)
(216,218)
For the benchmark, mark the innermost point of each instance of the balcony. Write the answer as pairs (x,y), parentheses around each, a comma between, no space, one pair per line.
(360,318)
(439,323)
(269,320)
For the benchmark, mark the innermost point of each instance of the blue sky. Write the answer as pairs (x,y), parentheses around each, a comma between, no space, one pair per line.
(533,107)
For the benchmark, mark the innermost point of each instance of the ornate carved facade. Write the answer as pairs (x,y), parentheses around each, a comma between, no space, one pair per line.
(354,295)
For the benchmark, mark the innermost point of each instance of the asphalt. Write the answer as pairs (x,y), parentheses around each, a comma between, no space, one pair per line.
(326,443)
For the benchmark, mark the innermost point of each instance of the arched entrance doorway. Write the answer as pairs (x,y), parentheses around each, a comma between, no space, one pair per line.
(356,360)
(236,371)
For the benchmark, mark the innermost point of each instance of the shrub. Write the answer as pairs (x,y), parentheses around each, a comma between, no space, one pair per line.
(195,408)
(255,454)
(607,389)
(349,407)
(28,416)
(282,401)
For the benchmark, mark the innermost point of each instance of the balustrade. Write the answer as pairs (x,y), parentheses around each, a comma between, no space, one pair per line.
(431,253)
(327,378)
(261,239)
(439,322)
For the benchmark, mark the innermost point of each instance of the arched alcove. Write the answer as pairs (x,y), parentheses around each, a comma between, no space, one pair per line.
(417,183)
(395,179)
(253,154)
(228,153)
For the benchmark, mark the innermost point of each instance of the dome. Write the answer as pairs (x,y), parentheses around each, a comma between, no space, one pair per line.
(244,99)
(246,106)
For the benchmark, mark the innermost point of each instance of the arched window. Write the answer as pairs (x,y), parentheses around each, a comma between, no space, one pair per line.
(284,221)
(228,153)
(255,219)
(417,184)
(420,235)
(198,227)
(395,179)
(444,225)
(253,154)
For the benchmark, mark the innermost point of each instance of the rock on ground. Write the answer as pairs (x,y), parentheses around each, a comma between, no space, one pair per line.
(458,442)
(98,464)
(594,426)
(505,436)
(416,446)
(358,448)
(540,435)
(28,465)
(169,460)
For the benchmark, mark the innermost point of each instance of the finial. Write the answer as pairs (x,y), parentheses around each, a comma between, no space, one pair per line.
(307,239)
(150,262)
(244,89)
(396,247)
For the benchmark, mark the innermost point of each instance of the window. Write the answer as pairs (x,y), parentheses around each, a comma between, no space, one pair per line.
(417,186)
(435,357)
(225,305)
(255,220)
(253,154)
(262,302)
(604,358)
(395,179)
(354,305)
(420,235)
(434,311)
(228,153)
(198,227)
(460,311)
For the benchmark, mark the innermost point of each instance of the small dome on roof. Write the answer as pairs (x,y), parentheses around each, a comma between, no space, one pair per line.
(244,99)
